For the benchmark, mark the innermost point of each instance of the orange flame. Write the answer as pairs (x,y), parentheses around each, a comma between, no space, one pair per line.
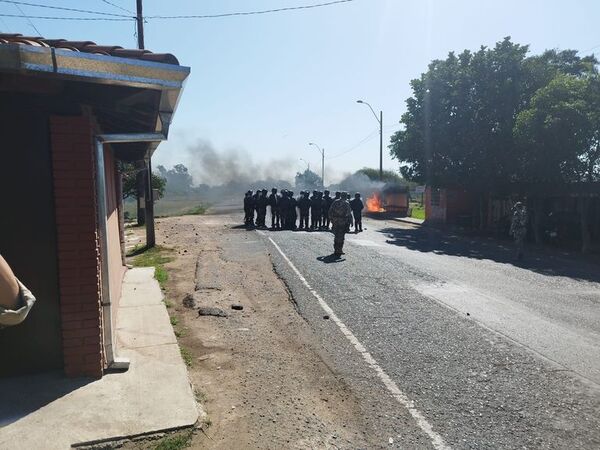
(374,203)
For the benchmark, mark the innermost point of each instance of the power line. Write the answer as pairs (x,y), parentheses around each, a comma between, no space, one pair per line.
(249,13)
(111,19)
(358,144)
(117,6)
(87,11)
(28,19)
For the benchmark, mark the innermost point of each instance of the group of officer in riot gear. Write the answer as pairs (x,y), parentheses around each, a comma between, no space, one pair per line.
(313,210)
(322,210)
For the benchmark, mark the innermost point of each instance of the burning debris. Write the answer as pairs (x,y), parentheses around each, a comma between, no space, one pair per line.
(391,200)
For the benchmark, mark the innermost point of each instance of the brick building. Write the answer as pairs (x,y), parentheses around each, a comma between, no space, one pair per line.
(69,112)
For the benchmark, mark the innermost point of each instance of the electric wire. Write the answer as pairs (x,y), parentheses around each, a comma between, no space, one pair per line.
(123,17)
(355,146)
(118,7)
(62,8)
(28,19)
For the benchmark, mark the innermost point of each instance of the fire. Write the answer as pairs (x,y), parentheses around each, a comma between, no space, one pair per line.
(374,203)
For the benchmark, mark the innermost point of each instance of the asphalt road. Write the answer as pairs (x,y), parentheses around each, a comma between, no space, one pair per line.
(451,342)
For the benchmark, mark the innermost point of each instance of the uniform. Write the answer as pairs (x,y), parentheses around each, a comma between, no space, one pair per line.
(316,208)
(327,201)
(340,215)
(292,214)
(304,207)
(518,228)
(284,206)
(357,206)
(274,205)
(248,209)
(261,208)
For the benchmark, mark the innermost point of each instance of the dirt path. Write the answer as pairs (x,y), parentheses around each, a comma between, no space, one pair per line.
(260,374)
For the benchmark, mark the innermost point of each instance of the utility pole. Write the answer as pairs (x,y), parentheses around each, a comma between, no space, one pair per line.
(140,24)
(322,152)
(149,193)
(380,121)
(381,145)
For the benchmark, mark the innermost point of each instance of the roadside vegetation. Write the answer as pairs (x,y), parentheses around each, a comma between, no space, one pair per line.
(155,257)
(417,211)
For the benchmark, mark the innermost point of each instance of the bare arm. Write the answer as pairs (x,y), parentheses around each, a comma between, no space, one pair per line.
(9,288)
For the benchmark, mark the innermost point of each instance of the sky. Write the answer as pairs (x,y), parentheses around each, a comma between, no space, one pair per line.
(262,87)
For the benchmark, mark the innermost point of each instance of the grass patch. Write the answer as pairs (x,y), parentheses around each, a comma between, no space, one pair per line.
(195,211)
(187,356)
(167,207)
(153,257)
(174,320)
(177,442)
(417,212)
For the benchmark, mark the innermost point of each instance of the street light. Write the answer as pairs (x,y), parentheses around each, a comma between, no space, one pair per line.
(307,164)
(380,120)
(322,151)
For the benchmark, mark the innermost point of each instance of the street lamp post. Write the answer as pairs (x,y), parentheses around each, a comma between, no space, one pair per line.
(322,151)
(380,120)
(307,164)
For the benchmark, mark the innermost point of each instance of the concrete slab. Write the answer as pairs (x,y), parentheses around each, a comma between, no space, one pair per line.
(50,411)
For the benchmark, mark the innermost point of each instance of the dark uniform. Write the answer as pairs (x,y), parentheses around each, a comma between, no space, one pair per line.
(327,201)
(284,206)
(255,205)
(315,210)
(357,206)
(340,215)
(274,205)
(261,209)
(292,214)
(304,207)
(248,209)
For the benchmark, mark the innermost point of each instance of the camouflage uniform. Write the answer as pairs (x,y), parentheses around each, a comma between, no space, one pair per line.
(340,215)
(518,228)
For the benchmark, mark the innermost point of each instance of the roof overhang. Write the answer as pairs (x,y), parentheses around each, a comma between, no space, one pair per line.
(63,64)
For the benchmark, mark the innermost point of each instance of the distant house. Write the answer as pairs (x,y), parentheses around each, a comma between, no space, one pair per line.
(69,112)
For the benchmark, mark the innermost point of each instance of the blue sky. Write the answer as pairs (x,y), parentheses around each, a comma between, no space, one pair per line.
(262,87)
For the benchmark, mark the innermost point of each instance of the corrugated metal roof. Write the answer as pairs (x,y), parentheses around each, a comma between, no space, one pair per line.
(88,47)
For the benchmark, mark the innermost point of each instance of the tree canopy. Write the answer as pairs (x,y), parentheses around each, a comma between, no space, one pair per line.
(486,119)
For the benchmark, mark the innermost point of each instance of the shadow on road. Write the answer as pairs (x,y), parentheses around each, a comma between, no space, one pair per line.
(545,262)
(330,259)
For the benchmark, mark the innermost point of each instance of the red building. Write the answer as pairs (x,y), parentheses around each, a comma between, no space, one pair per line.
(70,111)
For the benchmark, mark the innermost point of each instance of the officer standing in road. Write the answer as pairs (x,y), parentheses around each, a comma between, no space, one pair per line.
(248,209)
(340,215)
(304,207)
(357,206)
(292,214)
(327,201)
(261,210)
(518,227)
(315,210)
(274,205)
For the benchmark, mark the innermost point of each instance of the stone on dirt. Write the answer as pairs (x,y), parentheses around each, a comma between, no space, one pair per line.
(189,301)
(211,311)
(237,307)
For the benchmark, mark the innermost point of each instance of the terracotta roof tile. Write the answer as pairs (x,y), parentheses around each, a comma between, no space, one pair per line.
(88,47)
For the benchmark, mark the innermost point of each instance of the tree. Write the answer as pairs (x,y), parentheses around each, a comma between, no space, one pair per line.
(178,178)
(559,136)
(308,180)
(129,173)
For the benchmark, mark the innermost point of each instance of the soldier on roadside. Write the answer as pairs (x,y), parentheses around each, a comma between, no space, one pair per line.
(261,210)
(248,209)
(357,206)
(292,214)
(327,201)
(304,207)
(284,206)
(340,215)
(316,207)
(518,227)
(274,205)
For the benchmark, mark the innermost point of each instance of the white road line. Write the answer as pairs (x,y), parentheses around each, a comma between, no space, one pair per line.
(436,440)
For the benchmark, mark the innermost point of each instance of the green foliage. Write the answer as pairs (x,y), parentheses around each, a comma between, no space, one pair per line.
(187,356)
(154,257)
(475,119)
(388,175)
(417,212)
(560,132)
(179,180)
(129,173)
(308,180)
(177,442)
